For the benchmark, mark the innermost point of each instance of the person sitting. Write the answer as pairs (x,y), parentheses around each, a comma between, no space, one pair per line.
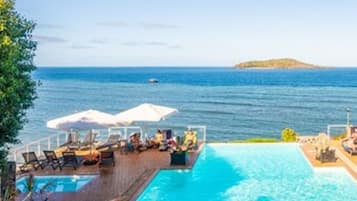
(190,139)
(159,137)
(135,143)
(351,141)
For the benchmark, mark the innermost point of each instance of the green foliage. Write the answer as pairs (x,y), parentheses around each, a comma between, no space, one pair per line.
(288,135)
(17,89)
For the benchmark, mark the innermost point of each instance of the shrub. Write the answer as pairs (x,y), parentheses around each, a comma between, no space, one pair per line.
(288,135)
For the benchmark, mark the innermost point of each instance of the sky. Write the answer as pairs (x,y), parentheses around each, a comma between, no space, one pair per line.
(191,33)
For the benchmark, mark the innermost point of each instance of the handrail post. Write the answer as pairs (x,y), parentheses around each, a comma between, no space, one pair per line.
(204,133)
(49,143)
(39,148)
(15,158)
(57,140)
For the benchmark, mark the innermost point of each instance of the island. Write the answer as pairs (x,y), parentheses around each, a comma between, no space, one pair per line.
(285,63)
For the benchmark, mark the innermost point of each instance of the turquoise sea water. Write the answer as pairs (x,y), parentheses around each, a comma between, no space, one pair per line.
(234,104)
(252,172)
(56,183)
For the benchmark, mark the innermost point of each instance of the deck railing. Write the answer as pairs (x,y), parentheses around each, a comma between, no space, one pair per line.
(37,146)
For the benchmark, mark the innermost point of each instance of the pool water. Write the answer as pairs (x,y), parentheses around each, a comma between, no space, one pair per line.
(56,183)
(252,172)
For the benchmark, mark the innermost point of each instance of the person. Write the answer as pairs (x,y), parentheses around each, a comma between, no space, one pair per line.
(135,143)
(190,139)
(158,138)
(351,141)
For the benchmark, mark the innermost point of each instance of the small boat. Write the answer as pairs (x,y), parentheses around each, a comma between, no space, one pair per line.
(153,80)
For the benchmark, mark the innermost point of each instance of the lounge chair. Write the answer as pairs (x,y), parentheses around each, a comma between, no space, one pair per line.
(31,160)
(106,157)
(88,140)
(53,160)
(348,148)
(113,140)
(72,138)
(70,159)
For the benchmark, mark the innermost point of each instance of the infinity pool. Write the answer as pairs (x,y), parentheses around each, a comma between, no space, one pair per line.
(56,183)
(252,172)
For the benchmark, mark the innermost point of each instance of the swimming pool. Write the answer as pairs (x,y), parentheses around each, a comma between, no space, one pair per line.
(252,172)
(56,183)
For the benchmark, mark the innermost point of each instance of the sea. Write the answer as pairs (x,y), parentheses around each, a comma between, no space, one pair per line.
(233,104)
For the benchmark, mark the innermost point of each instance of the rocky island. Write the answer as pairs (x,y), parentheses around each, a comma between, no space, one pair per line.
(286,63)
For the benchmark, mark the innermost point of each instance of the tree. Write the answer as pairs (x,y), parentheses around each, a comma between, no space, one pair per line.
(17,89)
(288,135)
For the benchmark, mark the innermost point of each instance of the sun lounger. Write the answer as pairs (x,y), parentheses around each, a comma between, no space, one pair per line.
(72,138)
(88,140)
(53,160)
(32,161)
(113,140)
(70,159)
(348,149)
(106,157)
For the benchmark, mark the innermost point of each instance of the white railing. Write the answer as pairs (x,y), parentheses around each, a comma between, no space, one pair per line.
(47,143)
(124,131)
(336,126)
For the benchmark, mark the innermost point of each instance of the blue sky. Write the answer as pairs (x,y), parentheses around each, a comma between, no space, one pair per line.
(191,33)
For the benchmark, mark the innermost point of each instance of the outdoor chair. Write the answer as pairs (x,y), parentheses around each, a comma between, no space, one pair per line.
(327,155)
(72,138)
(53,160)
(88,140)
(348,148)
(113,140)
(70,159)
(106,157)
(31,160)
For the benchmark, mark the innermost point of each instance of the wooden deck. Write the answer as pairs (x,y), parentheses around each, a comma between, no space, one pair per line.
(344,160)
(122,182)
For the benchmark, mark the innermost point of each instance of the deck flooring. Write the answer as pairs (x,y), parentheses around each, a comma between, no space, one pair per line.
(121,182)
(344,160)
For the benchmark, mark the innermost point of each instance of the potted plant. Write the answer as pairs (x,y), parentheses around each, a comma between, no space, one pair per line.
(179,155)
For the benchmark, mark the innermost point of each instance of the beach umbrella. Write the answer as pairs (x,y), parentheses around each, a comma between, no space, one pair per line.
(146,113)
(86,120)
